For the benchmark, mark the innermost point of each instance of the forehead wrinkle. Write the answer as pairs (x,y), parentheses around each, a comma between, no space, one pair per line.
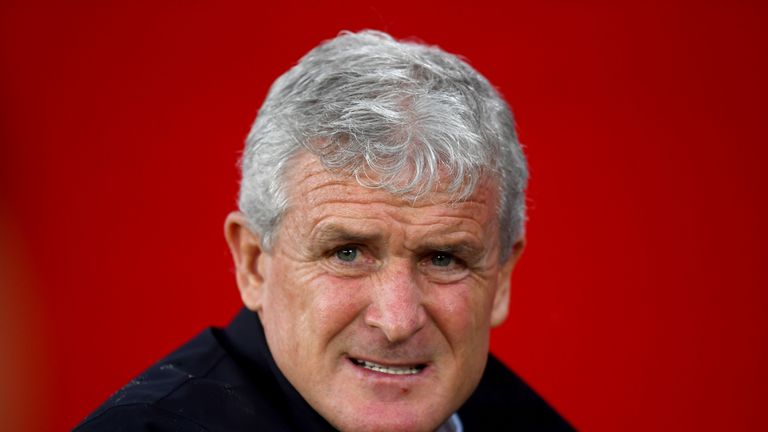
(459,218)
(302,173)
(333,230)
(441,225)
(471,234)
(460,244)
(463,240)
(437,224)
(317,189)
(311,168)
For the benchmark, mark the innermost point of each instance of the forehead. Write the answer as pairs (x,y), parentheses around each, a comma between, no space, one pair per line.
(305,173)
(309,184)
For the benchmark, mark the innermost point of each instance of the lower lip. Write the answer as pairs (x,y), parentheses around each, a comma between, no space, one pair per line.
(388,387)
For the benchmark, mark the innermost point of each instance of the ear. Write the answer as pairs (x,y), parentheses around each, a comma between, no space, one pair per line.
(501,298)
(245,246)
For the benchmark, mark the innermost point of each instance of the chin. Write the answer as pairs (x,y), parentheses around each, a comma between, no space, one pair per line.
(396,424)
(392,418)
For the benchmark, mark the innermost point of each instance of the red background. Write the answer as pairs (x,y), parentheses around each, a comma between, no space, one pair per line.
(640,303)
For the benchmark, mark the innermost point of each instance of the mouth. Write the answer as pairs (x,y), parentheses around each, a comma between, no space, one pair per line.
(412,369)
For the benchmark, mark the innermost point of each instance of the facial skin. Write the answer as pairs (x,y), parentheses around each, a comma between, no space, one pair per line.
(358,274)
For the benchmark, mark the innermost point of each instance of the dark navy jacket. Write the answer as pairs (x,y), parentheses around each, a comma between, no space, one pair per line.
(226,380)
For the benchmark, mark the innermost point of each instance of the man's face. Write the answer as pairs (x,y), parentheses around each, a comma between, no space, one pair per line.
(378,309)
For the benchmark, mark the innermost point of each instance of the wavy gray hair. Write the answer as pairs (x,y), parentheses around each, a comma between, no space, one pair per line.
(409,113)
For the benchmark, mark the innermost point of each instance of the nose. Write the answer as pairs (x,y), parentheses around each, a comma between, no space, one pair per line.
(396,307)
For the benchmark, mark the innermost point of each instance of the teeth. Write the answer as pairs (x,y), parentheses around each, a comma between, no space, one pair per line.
(393,370)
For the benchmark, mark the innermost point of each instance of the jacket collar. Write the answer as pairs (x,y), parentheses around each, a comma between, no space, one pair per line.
(246,339)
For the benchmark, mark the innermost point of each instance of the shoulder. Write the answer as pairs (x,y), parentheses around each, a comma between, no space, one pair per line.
(195,388)
(138,417)
(504,399)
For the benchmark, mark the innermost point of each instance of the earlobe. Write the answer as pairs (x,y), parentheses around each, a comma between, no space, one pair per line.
(501,299)
(245,247)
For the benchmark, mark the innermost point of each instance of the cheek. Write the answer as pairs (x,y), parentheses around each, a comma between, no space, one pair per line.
(286,304)
(305,301)
(462,312)
(336,302)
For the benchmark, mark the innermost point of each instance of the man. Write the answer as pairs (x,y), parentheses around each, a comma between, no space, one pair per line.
(381,215)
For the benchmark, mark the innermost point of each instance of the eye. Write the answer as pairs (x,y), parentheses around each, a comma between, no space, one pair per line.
(347,254)
(442,260)
(444,267)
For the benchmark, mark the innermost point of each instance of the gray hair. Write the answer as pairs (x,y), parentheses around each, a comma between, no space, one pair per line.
(409,113)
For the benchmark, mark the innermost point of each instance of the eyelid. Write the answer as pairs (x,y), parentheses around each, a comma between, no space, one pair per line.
(454,272)
(449,252)
(363,254)
(362,265)
(333,251)
(456,260)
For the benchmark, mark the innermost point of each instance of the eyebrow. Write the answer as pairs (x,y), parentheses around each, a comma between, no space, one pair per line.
(333,233)
(460,248)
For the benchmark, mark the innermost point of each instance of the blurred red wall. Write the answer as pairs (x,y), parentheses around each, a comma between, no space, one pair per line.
(640,303)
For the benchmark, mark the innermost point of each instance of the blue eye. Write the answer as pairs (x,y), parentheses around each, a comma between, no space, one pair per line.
(442,260)
(347,254)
